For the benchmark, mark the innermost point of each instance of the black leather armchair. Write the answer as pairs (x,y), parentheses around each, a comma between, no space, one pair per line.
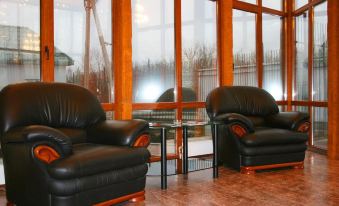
(253,134)
(59,149)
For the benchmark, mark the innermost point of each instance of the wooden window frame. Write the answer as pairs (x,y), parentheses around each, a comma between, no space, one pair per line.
(47,46)
(259,10)
(224,56)
(309,103)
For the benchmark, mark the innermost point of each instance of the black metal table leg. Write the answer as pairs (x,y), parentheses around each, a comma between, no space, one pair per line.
(215,150)
(163,159)
(185,150)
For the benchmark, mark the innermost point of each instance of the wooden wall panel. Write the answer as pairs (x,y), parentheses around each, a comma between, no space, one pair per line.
(122,57)
(225,41)
(333,77)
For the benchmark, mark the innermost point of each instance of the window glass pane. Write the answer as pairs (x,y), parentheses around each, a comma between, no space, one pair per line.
(19,41)
(244,48)
(73,43)
(273,72)
(319,126)
(159,116)
(300,3)
(273,4)
(301,59)
(153,51)
(199,139)
(320,46)
(199,50)
(249,1)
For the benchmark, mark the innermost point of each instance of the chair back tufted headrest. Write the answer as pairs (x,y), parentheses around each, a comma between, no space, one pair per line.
(248,101)
(50,104)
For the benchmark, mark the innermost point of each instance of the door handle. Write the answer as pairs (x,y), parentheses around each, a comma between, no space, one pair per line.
(47,52)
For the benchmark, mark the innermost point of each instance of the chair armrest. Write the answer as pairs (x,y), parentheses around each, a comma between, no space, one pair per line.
(235,118)
(120,132)
(45,139)
(297,121)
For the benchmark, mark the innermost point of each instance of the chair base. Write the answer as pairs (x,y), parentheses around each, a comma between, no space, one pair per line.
(252,169)
(135,197)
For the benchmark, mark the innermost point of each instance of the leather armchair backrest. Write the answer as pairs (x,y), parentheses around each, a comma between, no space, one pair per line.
(50,104)
(248,101)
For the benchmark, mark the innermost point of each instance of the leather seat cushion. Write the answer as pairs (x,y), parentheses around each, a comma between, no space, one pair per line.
(76,135)
(274,149)
(90,159)
(273,136)
(100,181)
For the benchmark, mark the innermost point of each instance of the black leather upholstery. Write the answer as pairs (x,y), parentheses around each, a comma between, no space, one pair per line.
(248,101)
(270,136)
(125,132)
(97,161)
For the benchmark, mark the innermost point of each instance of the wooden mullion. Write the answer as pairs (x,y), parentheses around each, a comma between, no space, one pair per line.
(259,46)
(160,105)
(47,40)
(178,70)
(310,103)
(193,105)
(244,6)
(281,102)
(310,70)
(108,106)
(283,50)
(273,11)
(290,51)
(307,7)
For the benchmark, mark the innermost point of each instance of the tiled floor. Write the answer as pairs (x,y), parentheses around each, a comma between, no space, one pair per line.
(317,184)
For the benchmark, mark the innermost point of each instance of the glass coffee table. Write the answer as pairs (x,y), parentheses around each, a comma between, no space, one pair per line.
(164,127)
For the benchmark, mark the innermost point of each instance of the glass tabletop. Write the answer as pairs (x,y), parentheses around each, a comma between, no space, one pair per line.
(177,124)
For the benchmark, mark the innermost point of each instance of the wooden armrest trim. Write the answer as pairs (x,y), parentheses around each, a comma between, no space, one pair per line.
(142,141)
(304,127)
(238,130)
(46,154)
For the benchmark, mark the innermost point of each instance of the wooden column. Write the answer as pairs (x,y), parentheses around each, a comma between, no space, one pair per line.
(47,40)
(333,77)
(225,41)
(122,57)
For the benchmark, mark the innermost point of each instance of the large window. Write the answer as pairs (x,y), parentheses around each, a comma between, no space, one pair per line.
(83,45)
(273,4)
(156,74)
(244,48)
(301,57)
(310,77)
(320,90)
(300,3)
(273,74)
(258,41)
(199,49)
(153,50)
(19,41)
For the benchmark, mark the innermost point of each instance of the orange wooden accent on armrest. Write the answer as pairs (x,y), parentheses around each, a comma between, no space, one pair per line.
(304,127)
(46,154)
(238,130)
(142,141)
